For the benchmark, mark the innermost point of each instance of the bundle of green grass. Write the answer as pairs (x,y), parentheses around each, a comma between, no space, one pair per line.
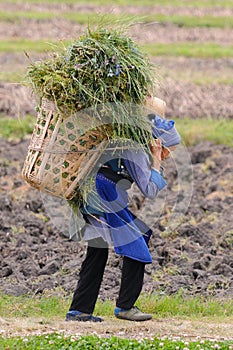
(105,71)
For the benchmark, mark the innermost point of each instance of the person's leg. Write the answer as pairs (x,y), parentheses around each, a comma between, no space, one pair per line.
(90,278)
(131,286)
(131,283)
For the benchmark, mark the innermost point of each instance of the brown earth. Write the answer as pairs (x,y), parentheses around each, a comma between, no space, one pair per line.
(194,254)
(142,33)
(57,8)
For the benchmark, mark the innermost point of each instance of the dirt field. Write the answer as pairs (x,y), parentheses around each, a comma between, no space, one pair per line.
(197,255)
(174,328)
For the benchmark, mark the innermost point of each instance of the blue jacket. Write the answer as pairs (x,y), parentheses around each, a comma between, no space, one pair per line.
(107,210)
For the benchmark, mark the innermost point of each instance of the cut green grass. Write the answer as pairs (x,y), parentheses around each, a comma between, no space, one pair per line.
(84,18)
(208,50)
(175,3)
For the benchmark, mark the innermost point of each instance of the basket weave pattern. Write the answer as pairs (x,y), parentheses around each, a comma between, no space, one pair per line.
(60,154)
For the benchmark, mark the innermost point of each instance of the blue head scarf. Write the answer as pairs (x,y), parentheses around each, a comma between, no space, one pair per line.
(166,131)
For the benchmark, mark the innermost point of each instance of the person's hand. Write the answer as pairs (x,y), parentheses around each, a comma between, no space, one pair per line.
(156,151)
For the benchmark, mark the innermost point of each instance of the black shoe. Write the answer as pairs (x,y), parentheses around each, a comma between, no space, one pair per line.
(80,316)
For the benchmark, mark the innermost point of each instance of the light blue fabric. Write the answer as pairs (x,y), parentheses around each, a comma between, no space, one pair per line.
(166,131)
(158,179)
(139,168)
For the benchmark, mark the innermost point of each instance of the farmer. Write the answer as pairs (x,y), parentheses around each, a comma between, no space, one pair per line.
(117,225)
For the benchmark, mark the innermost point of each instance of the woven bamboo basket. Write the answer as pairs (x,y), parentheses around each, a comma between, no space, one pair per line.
(60,154)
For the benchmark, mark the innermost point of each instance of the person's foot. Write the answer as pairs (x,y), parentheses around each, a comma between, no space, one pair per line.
(80,316)
(133,314)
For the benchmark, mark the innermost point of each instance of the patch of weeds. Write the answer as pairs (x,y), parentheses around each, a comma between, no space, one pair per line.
(17,230)
(63,341)
(229,237)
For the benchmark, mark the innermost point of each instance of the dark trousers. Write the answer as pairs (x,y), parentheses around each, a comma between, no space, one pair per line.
(91,275)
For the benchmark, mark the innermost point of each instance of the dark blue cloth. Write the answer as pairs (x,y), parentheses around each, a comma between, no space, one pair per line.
(129,234)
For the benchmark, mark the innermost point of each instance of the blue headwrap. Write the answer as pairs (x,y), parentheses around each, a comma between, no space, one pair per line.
(166,131)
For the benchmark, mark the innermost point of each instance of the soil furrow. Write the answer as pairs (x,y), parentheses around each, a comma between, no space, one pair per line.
(216,11)
(61,29)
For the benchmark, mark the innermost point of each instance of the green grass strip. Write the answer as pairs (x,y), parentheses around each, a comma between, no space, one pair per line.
(185,21)
(175,3)
(49,306)
(197,130)
(63,341)
(198,77)
(14,76)
(192,131)
(20,45)
(193,21)
(16,128)
(84,18)
(184,306)
(208,50)
(16,16)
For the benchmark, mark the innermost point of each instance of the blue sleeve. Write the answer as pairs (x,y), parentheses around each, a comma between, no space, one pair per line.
(157,178)
(148,180)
